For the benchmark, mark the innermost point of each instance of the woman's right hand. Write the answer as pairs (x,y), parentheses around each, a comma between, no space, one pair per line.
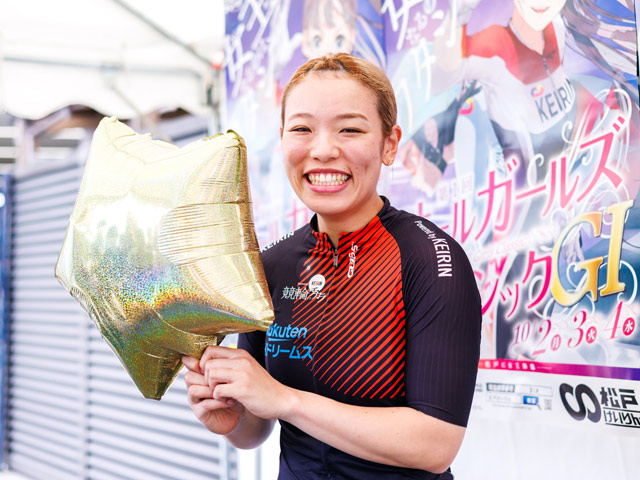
(219,416)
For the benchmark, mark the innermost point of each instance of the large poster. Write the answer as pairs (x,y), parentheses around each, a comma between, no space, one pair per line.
(520,138)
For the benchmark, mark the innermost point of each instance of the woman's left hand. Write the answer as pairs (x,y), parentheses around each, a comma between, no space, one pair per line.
(235,374)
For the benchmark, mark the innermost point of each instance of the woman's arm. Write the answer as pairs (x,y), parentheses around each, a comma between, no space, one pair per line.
(398,436)
(251,431)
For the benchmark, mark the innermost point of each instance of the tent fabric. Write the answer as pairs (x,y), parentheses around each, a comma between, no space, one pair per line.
(120,57)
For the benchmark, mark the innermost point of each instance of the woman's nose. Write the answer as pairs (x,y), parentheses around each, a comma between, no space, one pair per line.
(324,147)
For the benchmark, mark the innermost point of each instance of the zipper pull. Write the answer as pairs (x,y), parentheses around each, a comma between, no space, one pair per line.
(335,258)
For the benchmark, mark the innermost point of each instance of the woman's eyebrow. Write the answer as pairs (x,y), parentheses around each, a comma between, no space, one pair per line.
(299,114)
(341,116)
(347,116)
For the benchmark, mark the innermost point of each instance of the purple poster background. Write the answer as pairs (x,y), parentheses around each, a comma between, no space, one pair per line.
(520,139)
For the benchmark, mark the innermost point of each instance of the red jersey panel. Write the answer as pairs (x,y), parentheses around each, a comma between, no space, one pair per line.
(355,353)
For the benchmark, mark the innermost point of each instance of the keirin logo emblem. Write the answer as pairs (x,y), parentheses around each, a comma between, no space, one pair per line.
(316,283)
(352,260)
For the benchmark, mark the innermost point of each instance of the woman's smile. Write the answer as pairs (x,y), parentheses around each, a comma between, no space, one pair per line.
(327,182)
(327,179)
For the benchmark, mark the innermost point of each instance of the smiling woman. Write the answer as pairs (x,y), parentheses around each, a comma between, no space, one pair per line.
(380,384)
(333,152)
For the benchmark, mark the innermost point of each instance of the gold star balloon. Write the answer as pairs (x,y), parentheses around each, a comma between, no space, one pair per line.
(161,250)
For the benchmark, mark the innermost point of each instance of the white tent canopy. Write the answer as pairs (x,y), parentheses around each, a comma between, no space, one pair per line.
(119,57)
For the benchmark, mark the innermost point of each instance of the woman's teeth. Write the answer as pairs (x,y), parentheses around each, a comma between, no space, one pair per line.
(327,178)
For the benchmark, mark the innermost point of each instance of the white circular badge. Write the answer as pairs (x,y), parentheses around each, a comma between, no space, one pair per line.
(316,283)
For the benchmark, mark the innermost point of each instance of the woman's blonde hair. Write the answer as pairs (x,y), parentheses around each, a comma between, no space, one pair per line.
(361,70)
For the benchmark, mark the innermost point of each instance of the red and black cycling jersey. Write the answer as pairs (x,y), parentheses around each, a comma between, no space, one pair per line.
(390,316)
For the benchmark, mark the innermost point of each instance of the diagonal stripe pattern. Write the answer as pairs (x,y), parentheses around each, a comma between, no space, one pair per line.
(357,333)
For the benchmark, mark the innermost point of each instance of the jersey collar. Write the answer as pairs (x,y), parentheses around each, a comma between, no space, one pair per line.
(323,237)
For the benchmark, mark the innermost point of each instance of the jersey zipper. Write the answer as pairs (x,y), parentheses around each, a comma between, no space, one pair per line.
(335,258)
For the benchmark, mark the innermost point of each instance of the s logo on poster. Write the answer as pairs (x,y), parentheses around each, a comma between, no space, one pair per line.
(618,406)
(580,394)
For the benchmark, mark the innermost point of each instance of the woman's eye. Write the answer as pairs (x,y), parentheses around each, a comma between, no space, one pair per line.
(351,130)
(300,129)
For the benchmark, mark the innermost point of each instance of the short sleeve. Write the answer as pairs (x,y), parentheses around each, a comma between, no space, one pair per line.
(253,342)
(444,320)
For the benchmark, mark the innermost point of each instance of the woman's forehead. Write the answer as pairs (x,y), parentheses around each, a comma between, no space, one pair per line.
(325,86)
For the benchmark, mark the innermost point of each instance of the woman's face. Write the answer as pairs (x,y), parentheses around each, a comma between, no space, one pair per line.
(333,148)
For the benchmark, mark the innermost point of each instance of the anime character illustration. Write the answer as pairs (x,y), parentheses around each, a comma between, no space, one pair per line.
(558,74)
(328,26)
(351,26)
(532,102)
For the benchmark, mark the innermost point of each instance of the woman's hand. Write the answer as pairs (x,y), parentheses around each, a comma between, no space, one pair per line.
(234,374)
(217,387)
(218,415)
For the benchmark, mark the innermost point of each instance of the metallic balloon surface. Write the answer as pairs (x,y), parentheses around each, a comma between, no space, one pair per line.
(161,250)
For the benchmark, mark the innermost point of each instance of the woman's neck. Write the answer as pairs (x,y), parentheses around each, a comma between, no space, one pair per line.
(534,39)
(333,227)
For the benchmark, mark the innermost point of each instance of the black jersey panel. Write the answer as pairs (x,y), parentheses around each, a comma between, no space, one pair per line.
(444,320)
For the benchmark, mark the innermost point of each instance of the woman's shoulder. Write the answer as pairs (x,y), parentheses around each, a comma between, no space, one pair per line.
(277,245)
(421,240)
(412,229)
(282,248)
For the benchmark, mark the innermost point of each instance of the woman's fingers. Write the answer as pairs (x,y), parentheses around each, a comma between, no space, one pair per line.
(223,365)
(225,392)
(199,390)
(223,370)
(193,378)
(213,352)
(232,375)
(198,393)
(219,414)
(211,404)
(191,363)
(203,396)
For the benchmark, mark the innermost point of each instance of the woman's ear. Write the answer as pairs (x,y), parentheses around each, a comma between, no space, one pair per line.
(391,145)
